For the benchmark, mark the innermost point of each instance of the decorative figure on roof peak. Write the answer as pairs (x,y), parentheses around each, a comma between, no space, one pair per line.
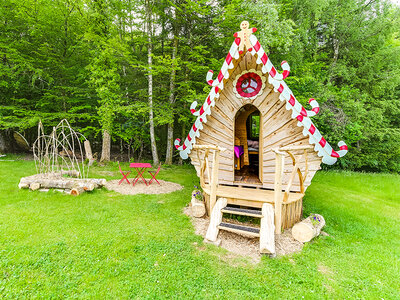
(243,36)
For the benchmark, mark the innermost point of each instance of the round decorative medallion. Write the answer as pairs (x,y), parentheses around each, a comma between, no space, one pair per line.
(249,84)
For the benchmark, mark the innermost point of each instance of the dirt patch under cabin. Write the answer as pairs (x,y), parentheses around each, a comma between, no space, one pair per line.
(242,246)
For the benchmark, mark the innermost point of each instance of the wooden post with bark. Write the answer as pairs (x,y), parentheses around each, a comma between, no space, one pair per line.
(267,235)
(278,197)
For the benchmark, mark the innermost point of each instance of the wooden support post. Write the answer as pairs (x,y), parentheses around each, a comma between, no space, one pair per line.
(295,171)
(207,166)
(267,228)
(279,163)
(303,177)
(214,179)
(215,220)
(202,168)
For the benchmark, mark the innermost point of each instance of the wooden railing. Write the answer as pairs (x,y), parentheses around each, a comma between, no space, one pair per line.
(280,196)
(205,165)
(280,199)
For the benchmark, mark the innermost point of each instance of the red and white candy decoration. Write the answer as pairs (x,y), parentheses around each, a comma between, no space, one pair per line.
(226,66)
(329,156)
(268,67)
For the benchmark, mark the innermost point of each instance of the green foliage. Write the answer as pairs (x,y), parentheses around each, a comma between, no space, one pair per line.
(346,55)
(273,31)
(87,61)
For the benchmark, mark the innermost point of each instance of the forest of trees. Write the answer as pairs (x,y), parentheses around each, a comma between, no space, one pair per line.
(125,72)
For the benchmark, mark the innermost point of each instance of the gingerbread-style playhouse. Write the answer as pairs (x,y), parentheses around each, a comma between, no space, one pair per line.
(254,146)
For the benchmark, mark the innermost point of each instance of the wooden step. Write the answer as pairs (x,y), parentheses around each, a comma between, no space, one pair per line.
(247,230)
(242,211)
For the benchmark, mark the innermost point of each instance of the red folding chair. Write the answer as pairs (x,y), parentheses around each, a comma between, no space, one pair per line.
(125,175)
(154,175)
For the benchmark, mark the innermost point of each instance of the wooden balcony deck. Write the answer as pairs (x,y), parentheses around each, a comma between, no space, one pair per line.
(250,196)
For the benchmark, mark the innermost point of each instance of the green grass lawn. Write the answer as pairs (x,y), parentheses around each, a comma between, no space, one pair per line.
(106,245)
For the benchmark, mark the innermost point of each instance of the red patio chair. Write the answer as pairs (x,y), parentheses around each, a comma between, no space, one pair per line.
(124,174)
(154,175)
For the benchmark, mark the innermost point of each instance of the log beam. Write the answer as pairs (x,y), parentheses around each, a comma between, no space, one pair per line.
(309,228)
(41,181)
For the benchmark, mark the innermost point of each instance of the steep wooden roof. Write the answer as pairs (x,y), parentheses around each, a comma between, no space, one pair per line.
(298,112)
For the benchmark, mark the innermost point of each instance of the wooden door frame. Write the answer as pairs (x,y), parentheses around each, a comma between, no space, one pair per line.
(260,142)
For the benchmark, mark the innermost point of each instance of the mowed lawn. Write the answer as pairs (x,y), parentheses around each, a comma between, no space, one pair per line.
(106,245)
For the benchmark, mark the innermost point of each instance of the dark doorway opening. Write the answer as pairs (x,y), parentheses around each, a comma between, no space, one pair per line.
(247,137)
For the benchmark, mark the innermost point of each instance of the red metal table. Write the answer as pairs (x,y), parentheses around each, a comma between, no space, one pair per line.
(140,168)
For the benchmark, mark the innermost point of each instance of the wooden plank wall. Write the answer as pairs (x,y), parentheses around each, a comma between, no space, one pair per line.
(278,130)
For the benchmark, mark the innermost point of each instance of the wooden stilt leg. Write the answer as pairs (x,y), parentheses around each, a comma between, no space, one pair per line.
(267,228)
(279,163)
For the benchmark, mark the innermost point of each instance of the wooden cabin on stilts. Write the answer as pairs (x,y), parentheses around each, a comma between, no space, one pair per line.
(254,146)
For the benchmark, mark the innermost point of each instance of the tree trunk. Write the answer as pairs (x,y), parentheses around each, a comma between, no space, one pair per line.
(106,147)
(140,151)
(336,44)
(88,152)
(6,143)
(170,130)
(150,89)
(335,51)
(180,161)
